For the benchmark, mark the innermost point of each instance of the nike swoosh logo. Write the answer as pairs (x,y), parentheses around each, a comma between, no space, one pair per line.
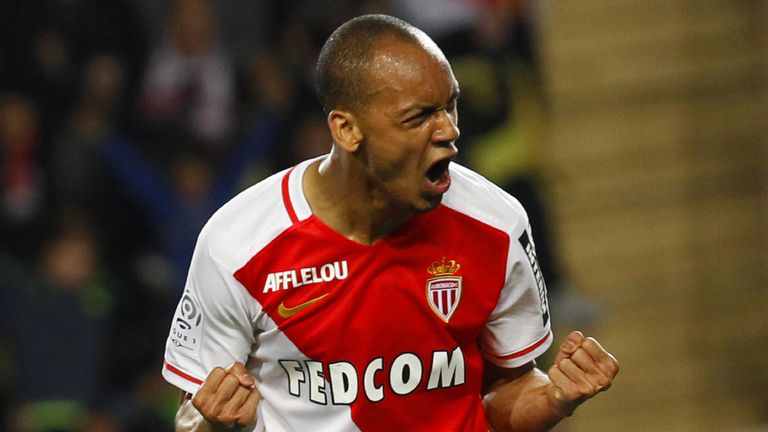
(287,312)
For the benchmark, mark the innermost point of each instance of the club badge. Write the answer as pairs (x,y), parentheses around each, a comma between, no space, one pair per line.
(444,289)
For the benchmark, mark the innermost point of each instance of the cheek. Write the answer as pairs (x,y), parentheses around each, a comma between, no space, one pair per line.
(388,158)
(395,158)
(387,174)
(398,168)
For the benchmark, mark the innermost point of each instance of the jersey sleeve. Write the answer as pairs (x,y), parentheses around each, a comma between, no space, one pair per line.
(518,329)
(212,325)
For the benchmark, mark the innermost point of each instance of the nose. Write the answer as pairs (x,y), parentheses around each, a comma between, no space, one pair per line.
(446,128)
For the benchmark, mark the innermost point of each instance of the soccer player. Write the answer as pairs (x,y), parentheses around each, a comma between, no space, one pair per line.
(380,287)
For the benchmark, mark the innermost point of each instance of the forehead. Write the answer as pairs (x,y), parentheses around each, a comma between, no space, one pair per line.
(410,73)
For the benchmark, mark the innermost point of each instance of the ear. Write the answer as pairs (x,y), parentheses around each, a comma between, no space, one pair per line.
(345,130)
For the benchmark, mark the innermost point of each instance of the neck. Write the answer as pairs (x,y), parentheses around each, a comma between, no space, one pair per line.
(340,195)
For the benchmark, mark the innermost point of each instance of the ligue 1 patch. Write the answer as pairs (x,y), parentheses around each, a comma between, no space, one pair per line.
(444,289)
(187,326)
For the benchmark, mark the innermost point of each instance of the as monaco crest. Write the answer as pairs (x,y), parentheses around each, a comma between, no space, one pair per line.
(444,290)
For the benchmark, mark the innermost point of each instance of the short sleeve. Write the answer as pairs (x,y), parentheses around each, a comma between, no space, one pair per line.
(518,330)
(212,325)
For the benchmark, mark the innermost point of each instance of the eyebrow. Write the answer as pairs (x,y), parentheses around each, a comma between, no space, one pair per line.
(456,92)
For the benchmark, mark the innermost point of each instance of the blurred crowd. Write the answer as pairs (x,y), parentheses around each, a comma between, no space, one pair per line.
(124,124)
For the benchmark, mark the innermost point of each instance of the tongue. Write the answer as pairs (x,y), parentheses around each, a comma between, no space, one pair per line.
(440,179)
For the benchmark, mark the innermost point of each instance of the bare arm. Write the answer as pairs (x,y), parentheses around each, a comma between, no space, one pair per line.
(526,399)
(227,401)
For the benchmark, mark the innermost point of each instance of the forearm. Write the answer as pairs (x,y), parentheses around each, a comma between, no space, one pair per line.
(524,404)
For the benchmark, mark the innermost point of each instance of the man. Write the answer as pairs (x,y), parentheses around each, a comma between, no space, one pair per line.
(379,287)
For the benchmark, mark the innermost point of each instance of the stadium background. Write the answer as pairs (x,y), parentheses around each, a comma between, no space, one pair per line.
(640,127)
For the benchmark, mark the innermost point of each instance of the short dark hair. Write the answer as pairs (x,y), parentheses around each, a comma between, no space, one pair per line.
(340,78)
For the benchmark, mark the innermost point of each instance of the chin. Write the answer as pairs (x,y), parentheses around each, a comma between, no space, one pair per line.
(426,203)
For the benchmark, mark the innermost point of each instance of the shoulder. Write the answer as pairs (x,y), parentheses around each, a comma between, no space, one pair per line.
(247,223)
(478,198)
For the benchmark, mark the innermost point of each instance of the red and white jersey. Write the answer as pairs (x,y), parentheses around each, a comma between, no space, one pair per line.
(342,336)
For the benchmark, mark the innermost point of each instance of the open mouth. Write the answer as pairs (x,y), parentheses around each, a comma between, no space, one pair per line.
(439,171)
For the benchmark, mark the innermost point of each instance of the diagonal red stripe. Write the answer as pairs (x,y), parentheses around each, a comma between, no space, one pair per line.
(526,350)
(182,374)
(287,197)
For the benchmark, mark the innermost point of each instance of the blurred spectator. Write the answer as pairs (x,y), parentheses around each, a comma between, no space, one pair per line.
(245,25)
(309,138)
(439,18)
(76,173)
(269,94)
(44,43)
(93,117)
(150,404)
(302,26)
(189,83)
(21,174)
(58,329)
(178,201)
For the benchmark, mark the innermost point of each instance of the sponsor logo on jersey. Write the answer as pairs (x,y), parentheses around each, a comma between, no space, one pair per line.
(287,312)
(530,252)
(284,280)
(347,382)
(187,326)
(444,289)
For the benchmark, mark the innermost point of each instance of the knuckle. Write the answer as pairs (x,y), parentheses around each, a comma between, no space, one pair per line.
(611,368)
(208,408)
(575,394)
(553,369)
(583,350)
(247,415)
(217,371)
(603,383)
(614,365)
(586,390)
(199,403)
(219,414)
(229,416)
(237,367)
(211,412)
(230,380)
(578,352)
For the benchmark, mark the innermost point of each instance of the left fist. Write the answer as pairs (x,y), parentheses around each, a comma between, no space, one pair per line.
(582,369)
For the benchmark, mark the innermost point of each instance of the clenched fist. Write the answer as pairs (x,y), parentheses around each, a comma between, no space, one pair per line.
(228,398)
(582,368)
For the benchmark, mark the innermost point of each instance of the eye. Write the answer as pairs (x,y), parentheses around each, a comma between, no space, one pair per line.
(452,104)
(419,116)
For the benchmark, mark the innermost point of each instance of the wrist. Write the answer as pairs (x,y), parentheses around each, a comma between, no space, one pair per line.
(559,405)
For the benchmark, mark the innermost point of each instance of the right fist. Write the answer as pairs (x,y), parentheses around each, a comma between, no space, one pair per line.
(228,397)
